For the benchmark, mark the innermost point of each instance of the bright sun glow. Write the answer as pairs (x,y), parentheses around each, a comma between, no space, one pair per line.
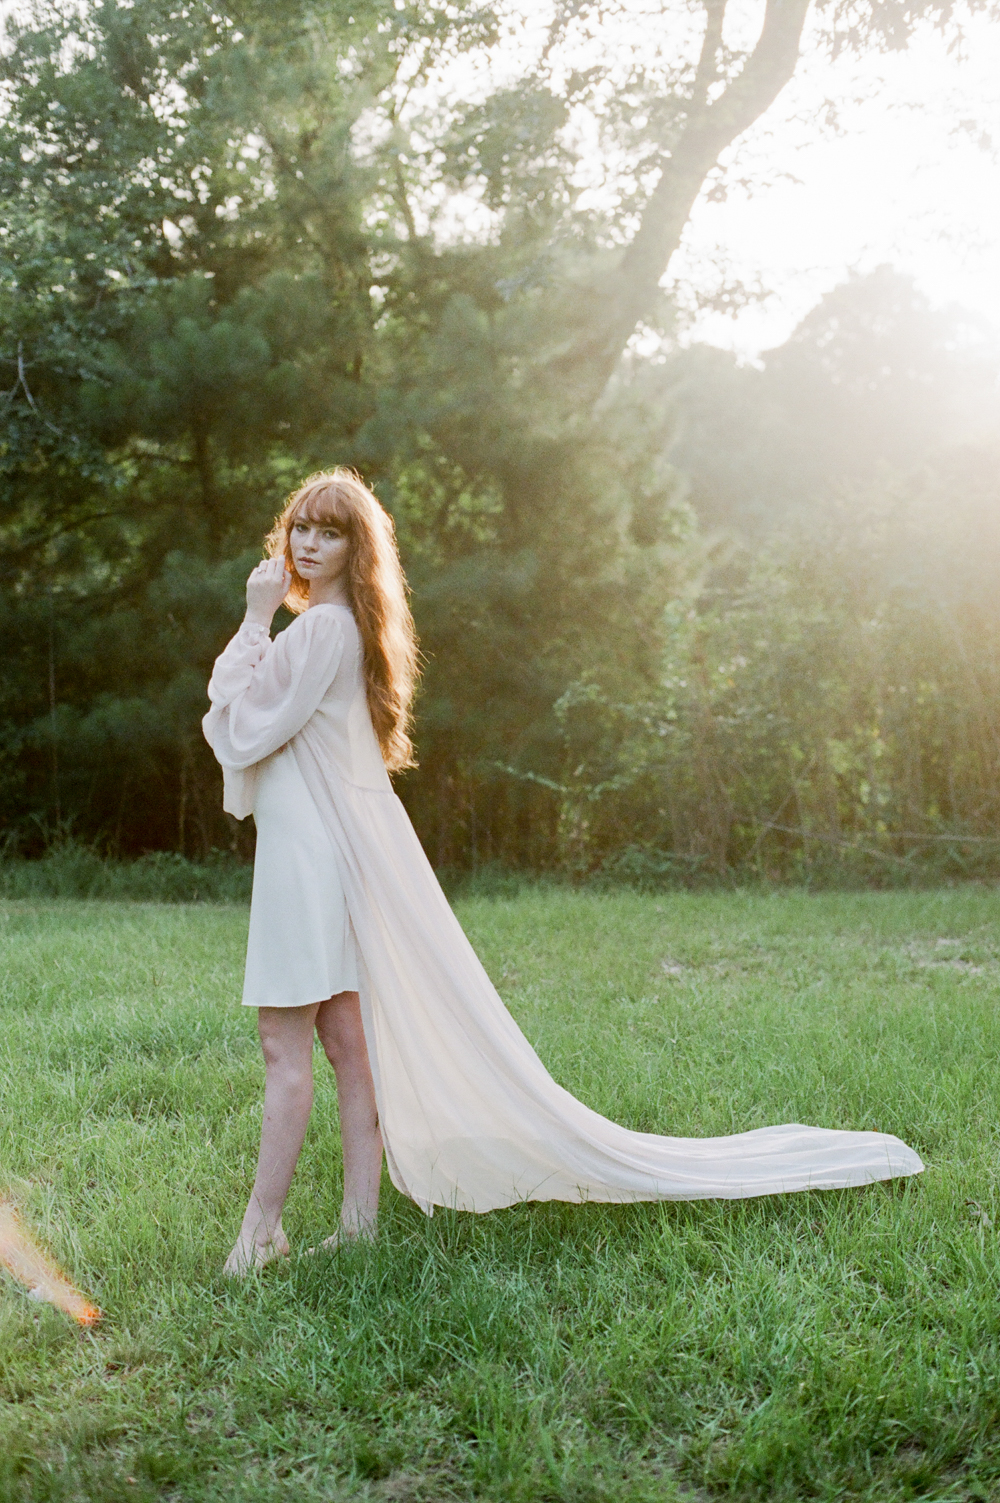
(903,178)
(906,182)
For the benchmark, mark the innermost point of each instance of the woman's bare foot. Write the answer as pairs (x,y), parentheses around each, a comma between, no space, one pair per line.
(345,1236)
(253,1251)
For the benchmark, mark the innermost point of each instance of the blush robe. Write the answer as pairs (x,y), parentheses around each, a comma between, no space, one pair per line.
(470,1117)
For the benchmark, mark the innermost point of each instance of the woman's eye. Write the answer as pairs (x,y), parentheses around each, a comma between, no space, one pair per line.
(332,532)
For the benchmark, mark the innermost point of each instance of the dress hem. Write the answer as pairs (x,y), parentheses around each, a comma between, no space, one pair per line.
(314,1002)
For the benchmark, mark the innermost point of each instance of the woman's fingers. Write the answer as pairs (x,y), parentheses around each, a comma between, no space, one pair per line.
(270,568)
(267,586)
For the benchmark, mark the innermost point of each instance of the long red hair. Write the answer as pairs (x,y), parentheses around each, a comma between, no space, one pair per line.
(377,588)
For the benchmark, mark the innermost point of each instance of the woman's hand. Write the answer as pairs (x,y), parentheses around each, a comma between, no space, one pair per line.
(266,589)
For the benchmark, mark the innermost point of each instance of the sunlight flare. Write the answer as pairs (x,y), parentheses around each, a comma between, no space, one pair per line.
(43,1280)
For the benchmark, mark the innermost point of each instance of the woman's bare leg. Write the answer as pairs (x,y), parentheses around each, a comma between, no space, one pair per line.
(342,1035)
(286,1036)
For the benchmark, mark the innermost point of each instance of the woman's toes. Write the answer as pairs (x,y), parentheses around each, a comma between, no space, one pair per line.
(344,1236)
(328,1245)
(249,1255)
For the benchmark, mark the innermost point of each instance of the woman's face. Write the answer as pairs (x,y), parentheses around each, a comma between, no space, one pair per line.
(320,550)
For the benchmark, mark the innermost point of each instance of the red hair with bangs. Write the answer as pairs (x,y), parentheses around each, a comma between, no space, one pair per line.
(377,590)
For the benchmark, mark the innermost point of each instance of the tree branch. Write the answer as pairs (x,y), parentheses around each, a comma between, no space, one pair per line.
(708,132)
(707,71)
(765,73)
(403,202)
(631,290)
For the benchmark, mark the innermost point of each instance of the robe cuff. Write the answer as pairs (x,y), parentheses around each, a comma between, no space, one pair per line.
(252,634)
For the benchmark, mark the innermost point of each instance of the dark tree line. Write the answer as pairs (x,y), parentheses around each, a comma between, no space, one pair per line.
(226,263)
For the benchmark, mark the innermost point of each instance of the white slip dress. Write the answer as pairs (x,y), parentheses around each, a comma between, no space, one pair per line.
(469,1115)
(300,948)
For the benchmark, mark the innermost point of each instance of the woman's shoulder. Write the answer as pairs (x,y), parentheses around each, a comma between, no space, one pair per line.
(317,633)
(328,620)
(338,612)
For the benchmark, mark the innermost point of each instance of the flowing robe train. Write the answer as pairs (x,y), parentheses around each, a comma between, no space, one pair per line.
(470,1117)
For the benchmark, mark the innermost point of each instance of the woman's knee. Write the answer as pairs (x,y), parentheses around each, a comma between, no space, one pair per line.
(341,1031)
(286,1038)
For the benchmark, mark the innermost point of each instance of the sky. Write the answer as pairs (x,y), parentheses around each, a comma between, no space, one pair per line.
(906,182)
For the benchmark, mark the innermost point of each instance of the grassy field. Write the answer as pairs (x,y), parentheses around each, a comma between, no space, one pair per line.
(839,1345)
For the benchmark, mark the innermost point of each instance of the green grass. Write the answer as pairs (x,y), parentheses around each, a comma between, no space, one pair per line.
(839,1345)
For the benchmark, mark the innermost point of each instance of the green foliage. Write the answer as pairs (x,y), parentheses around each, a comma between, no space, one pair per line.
(840,1345)
(828,705)
(257,301)
(221,286)
(228,261)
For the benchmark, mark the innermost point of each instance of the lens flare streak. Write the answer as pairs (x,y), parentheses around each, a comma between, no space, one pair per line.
(42,1278)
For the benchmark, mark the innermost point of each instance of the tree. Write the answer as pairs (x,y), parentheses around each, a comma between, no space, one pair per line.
(831,709)
(673,119)
(187,321)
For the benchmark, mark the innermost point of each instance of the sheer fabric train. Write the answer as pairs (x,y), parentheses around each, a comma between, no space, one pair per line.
(470,1117)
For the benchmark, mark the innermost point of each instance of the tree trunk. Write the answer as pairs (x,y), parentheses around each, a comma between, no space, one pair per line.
(626,294)
(205,470)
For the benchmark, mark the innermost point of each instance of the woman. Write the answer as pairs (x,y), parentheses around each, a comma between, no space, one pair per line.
(351,936)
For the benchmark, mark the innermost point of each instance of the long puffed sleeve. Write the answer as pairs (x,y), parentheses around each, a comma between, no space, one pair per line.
(263,692)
